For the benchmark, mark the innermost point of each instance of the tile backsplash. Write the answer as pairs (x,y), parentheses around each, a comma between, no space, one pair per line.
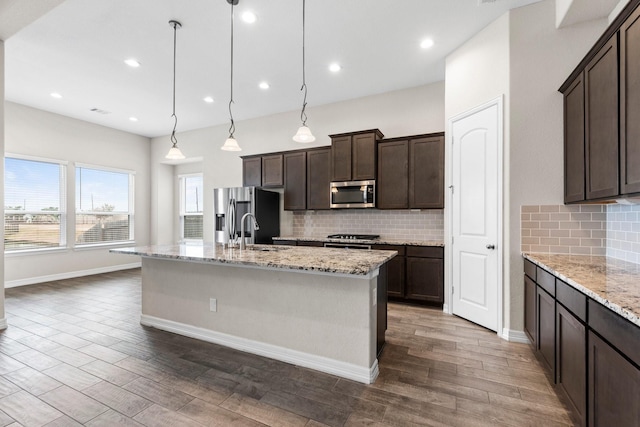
(412,225)
(612,230)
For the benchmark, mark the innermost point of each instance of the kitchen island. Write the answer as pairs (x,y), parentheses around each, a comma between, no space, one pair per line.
(324,309)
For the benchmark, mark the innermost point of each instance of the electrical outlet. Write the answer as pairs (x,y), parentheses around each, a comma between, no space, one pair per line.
(213,304)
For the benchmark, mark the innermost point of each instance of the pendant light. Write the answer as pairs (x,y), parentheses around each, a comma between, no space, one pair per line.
(231,144)
(174,152)
(304,134)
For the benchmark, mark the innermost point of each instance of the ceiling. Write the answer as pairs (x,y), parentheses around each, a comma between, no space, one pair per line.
(78,48)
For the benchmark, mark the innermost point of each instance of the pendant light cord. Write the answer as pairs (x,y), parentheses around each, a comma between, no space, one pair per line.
(232,128)
(303,114)
(175,124)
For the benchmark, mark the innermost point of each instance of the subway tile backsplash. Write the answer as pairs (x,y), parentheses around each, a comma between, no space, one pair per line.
(423,225)
(612,230)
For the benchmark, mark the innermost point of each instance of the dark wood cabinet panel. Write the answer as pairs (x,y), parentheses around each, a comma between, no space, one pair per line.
(314,243)
(363,151)
(341,158)
(614,386)
(601,122)
(546,328)
(396,277)
(530,309)
(295,181)
(571,341)
(630,105)
(393,175)
(318,178)
(574,142)
(286,242)
(272,171)
(425,279)
(426,173)
(252,171)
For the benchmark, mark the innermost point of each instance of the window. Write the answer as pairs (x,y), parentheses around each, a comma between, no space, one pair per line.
(191,207)
(104,205)
(34,204)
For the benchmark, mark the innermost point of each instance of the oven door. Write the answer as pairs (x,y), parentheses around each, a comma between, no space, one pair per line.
(353,194)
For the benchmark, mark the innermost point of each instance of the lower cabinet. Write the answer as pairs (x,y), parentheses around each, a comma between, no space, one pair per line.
(395,270)
(571,342)
(530,310)
(546,314)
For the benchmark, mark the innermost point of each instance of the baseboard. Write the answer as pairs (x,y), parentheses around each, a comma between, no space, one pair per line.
(3,323)
(319,363)
(445,309)
(70,275)
(515,336)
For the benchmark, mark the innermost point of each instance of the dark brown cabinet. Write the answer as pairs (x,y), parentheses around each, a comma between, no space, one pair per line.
(574,142)
(252,171)
(530,309)
(411,172)
(295,180)
(395,270)
(571,340)
(318,179)
(353,155)
(545,325)
(425,274)
(630,105)
(601,123)
(272,170)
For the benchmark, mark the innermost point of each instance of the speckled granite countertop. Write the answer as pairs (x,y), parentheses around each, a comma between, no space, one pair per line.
(612,282)
(299,258)
(380,241)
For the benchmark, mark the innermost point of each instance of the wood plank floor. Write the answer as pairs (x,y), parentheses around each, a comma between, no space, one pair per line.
(75,354)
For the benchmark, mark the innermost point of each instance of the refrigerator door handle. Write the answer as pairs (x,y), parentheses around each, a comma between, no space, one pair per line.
(229,221)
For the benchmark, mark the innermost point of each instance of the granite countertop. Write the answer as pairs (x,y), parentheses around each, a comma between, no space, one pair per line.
(310,259)
(612,282)
(380,241)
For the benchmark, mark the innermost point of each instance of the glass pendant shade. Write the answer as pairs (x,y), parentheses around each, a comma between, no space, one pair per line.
(231,145)
(304,135)
(174,154)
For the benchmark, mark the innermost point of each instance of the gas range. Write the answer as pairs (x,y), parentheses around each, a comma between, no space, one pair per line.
(353,236)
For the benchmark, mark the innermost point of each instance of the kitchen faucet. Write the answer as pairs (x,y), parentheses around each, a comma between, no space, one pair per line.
(255,227)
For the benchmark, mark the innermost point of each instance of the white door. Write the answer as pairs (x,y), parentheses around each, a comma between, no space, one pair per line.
(476,139)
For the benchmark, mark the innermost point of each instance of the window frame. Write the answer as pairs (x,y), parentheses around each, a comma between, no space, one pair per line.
(63,211)
(131,212)
(182,202)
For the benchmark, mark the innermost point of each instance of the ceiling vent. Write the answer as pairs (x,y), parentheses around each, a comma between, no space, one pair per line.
(99,111)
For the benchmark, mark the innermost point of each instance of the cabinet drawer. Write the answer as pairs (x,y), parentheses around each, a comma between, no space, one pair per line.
(285,242)
(399,249)
(546,281)
(618,331)
(573,300)
(425,251)
(530,269)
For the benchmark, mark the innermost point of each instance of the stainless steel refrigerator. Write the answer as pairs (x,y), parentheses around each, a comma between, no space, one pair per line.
(230,205)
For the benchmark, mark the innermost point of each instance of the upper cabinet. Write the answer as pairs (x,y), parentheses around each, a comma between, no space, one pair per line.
(411,172)
(263,171)
(318,179)
(602,116)
(353,155)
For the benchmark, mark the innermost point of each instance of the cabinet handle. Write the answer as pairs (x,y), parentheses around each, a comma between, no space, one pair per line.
(492,247)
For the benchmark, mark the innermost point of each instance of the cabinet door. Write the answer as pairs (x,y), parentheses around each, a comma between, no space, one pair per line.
(395,277)
(295,181)
(393,176)
(530,309)
(546,316)
(425,279)
(614,387)
(426,173)
(318,169)
(252,172)
(630,105)
(601,122)
(341,158)
(574,141)
(272,171)
(571,361)
(364,154)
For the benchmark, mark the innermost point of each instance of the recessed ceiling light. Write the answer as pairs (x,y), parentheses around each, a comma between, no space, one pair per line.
(249,17)
(335,67)
(208,99)
(132,63)
(55,95)
(264,85)
(426,43)
(133,119)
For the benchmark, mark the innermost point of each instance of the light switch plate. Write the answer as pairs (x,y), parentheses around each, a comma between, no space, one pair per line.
(213,304)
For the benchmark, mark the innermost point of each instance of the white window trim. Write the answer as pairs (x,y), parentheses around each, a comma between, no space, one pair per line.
(181,211)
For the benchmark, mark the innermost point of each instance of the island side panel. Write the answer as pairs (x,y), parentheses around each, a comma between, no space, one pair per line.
(318,314)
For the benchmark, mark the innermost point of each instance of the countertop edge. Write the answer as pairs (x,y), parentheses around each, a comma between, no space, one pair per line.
(616,308)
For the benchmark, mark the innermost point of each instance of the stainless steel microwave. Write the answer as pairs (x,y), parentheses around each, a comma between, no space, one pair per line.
(353,194)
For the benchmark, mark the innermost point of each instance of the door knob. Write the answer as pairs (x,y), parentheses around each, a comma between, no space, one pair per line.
(491,247)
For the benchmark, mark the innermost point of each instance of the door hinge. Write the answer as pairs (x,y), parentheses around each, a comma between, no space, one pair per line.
(452,290)
(452,240)
(451,187)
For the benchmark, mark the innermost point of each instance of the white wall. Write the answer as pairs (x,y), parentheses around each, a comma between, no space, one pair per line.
(404,112)
(3,321)
(42,134)
(541,58)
